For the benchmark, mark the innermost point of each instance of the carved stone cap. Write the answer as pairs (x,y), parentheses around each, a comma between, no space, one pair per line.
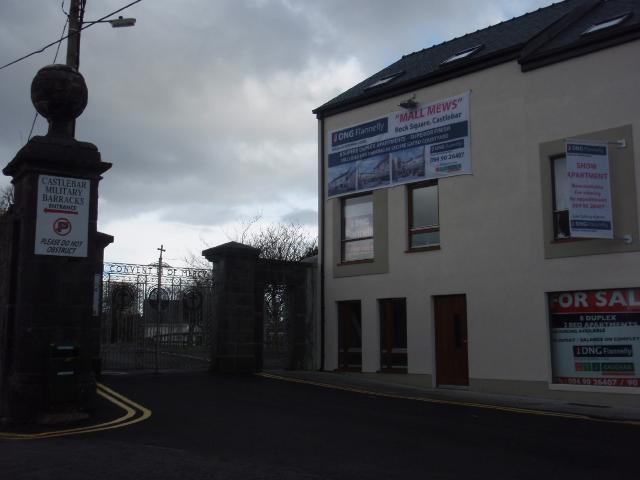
(59,93)
(234,249)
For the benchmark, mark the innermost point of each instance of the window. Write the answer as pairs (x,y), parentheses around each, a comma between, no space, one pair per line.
(357,228)
(384,80)
(349,335)
(593,356)
(560,197)
(393,335)
(424,225)
(554,195)
(612,22)
(462,54)
(357,250)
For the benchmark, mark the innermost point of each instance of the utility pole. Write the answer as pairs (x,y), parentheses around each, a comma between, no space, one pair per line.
(159,295)
(76,13)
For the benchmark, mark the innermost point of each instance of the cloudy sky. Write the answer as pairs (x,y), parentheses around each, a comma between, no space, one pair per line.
(204,107)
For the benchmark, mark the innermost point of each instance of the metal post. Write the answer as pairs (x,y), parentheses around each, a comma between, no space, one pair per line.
(76,13)
(161,249)
(73,41)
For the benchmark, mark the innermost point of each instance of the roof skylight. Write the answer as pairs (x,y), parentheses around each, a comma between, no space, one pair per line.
(462,54)
(384,80)
(612,22)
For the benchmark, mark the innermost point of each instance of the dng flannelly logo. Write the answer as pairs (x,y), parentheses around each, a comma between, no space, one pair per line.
(359,132)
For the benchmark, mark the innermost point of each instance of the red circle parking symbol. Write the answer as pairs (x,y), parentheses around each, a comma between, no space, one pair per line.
(62,227)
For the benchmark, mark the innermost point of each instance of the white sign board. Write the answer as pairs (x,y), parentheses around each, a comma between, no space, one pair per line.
(589,190)
(430,141)
(62,222)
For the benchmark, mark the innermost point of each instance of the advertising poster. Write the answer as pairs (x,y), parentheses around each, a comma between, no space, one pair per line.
(595,337)
(589,190)
(431,141)
(62,222)
(374,172)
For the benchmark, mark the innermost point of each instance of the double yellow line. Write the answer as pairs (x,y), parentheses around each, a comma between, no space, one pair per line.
(134,413)
(487,406)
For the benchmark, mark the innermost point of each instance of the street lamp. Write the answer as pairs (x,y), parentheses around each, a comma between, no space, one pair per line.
(73,40)
(122,22)
(75,26)
(118,22)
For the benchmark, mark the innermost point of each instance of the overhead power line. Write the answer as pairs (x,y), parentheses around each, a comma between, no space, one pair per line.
(89,24)
(64,28)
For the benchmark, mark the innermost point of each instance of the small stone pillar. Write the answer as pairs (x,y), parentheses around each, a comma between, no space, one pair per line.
(50,321)
(237,344)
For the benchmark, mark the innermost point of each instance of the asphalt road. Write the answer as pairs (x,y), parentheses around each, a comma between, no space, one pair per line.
(249,427)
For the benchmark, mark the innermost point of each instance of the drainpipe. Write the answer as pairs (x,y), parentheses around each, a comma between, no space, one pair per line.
(321,207)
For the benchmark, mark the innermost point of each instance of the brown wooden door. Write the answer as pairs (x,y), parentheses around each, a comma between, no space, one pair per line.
(452,367)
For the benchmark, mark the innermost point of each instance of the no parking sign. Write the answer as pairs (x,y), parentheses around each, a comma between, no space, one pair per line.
(62,222)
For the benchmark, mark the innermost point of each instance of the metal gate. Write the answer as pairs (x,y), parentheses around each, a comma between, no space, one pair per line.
(155,319)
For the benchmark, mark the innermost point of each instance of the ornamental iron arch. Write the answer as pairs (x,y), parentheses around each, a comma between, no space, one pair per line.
(145,325)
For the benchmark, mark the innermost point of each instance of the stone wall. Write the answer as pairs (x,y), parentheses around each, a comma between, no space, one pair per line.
(240,278)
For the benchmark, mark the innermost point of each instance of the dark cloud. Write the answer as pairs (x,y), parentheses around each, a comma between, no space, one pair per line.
(302,217)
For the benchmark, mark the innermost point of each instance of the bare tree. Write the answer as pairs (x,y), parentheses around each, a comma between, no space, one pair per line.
(280,241)
(283,241)
(241,230)
(7,197)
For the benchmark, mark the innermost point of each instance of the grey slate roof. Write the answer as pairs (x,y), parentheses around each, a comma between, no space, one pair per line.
(603,11)
(532,36)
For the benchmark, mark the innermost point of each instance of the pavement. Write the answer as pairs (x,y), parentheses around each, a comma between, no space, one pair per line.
(393,386)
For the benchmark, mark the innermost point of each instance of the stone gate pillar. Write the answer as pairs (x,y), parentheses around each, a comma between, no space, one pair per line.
(50,318)
(237,345)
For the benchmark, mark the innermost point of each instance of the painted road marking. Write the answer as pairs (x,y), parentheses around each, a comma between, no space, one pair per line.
(134,413)
(486,406)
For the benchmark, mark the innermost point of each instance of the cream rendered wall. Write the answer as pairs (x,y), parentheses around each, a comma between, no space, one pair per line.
(491,221)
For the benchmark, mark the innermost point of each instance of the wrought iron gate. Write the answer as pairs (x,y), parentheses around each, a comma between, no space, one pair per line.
(155,318)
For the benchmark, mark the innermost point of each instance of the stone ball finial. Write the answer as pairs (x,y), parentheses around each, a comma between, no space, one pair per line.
(59,93)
